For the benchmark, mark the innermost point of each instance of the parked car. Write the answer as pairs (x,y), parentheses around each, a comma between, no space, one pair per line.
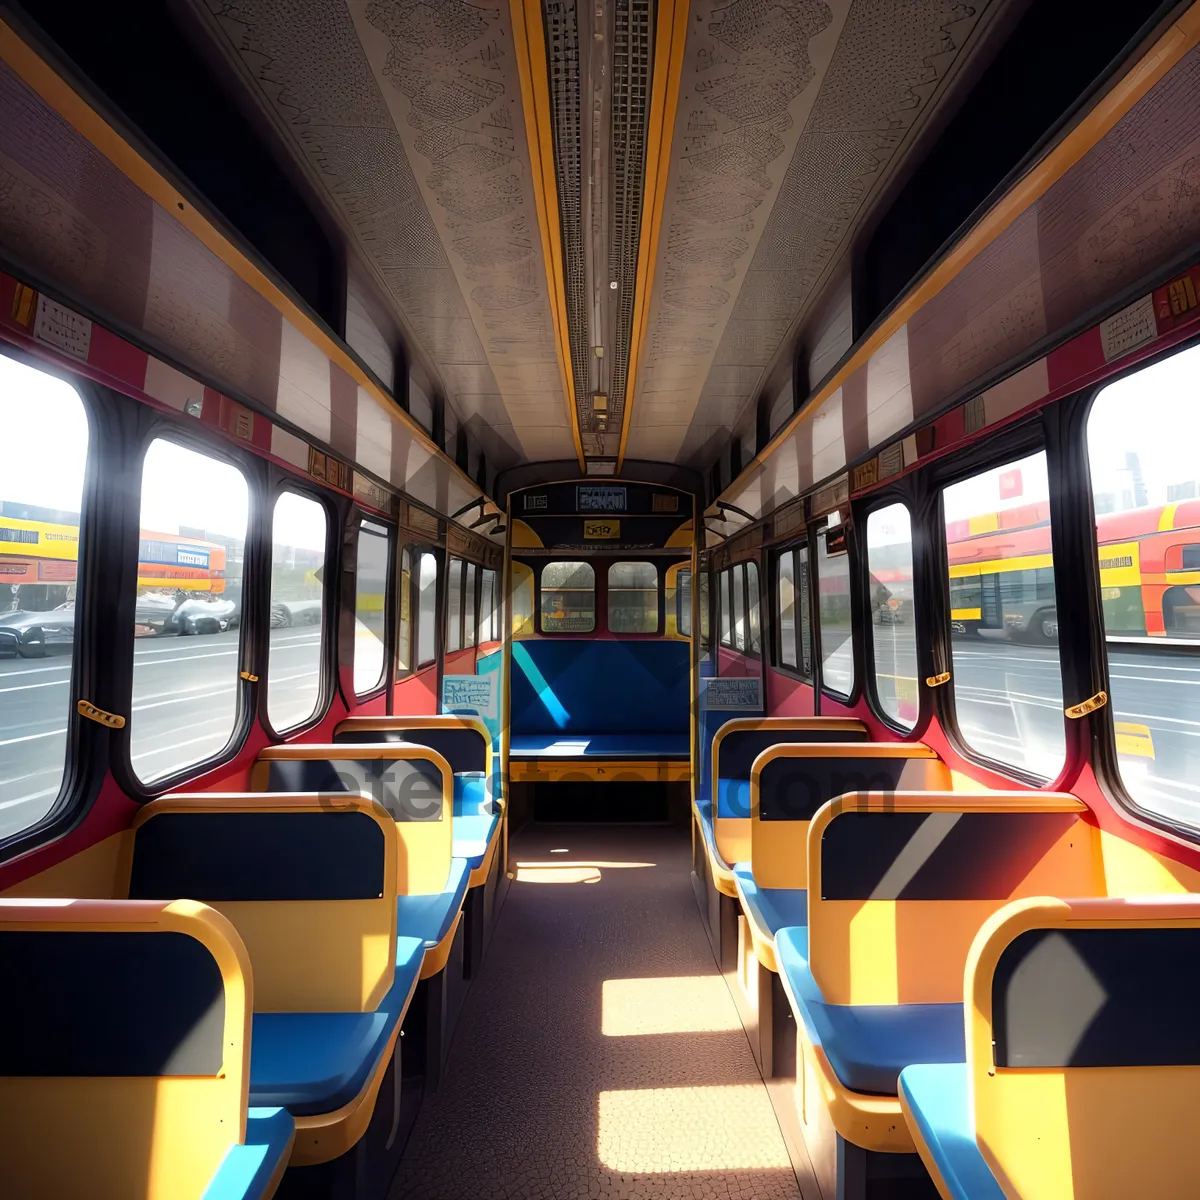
(295,612)
(165,615)
(34,634)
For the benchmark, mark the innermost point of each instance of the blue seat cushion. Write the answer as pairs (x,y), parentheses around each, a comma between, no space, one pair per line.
(733,797)
(600,745)
(472,837)
(471,797)
(867,1045)
(938,1097)
(771,909)
(316,1062)
(430,917)
(247,1171)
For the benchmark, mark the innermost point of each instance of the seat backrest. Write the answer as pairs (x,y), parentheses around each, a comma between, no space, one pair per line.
(736,744)
(124,1047)
(1092,1085)
(789,783)
(308,881)
(462,741)
(588,686)
(898,885)
(413,783)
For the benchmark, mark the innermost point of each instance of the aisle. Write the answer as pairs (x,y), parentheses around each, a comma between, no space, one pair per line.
(599,1053)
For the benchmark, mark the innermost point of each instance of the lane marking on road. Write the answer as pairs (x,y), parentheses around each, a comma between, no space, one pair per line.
(33,737)
(29,687)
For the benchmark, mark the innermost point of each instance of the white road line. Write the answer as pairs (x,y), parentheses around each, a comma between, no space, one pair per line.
(32,796)
(29,687)
(62,666)
(185,699)
(33,737)
(208,737)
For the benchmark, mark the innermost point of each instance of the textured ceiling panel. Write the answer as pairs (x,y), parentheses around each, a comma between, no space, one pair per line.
(789,117)
(408,118)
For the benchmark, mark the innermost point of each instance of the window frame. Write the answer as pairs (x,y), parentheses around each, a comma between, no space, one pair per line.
(403,591)
(439,583)
(817,529)
(660,573)
(390,617)
(1020,441)
(876,502)
(470,629)
(281,482)
(597,597)
(790,550)
(454,644)
(484,573)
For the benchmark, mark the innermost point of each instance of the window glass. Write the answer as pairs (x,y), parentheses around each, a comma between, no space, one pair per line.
(893,623)
(404,615)
(803,598)
(298,537)
(487,607)
(370,635)
(753,610)
(522,600)
(725,604)
(454,581)
(1003,620)
(737,586)
(633,597)
(568,598)
(702,602)
(833,582)
(683,602)
(469,607)
(427,609)
(195,510)
(787,608)
(1142,435)
(45,431)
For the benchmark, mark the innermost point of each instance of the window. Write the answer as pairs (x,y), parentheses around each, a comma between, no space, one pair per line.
(568,602)
(893,622)
(469,607)
(737,584)
(427,610)
(487,607)
(404,615)
(41,494)
(786,599)
(833,582)
(752,608)
(633,597)
(454,583)
(805,631)
(299,531)
(702,601)
(1142,434)
(370,634)
(1003,620)
(725,604)
(195,510)
(683,601)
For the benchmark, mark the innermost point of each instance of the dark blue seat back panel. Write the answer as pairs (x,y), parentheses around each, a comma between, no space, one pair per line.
(569,686)
(463,749)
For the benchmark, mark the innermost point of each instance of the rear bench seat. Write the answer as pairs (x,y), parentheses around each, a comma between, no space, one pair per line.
(415,786)
(591,702)
(1081,1079)
(479,827)
(788,784)
(124,1052)
(309,882)
(898,887)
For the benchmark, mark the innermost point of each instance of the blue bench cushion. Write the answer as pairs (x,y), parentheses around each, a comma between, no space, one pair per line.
(771,909)
(733,797)
(867,1044)
(938,1097)
(472,837)
(430,917)
(246,1171)
(599,745)
(471,797)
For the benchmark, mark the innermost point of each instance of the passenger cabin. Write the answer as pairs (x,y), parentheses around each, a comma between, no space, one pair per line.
(600,600)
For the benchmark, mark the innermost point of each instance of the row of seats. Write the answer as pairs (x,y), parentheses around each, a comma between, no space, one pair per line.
(313,922)
(868,893)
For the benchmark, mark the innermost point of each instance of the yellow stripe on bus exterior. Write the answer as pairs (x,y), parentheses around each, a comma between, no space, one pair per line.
(1166,518)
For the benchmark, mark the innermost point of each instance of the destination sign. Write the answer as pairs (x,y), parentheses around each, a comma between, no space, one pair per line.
(590,498)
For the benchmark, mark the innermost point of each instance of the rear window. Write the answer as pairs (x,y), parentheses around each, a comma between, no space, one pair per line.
(568,599)
(633,597)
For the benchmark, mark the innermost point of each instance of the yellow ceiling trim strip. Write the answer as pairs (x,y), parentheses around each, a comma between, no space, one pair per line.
(1182,36)
(670,39)
(529,39)
(41,78)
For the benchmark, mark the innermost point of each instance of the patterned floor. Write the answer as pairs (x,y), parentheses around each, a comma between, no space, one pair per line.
(599,1053)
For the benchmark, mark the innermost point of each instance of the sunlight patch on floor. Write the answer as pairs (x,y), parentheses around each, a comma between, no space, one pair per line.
(718,1128)
(564,871)
(673,1004)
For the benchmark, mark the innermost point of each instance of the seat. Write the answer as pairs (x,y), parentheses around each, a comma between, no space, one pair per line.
(318,1062)
(1083,1073)
(124,1054)
(769,909)
(600,745)
(430,916)
(310,884)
